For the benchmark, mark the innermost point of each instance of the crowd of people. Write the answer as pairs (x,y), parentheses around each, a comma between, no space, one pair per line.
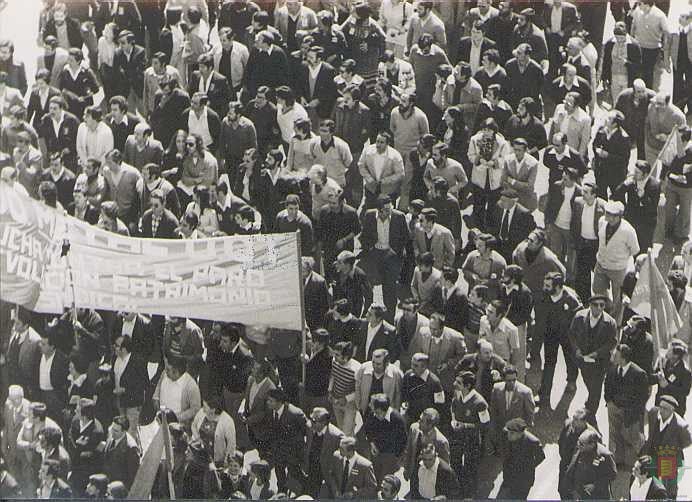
(404,140)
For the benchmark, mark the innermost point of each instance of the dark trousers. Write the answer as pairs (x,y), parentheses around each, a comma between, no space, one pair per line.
(383,266)
(585,263)
(593,17)
(465,457)
(649,60)
(682,87)
(514,491)
(606,180)
(593,375)
(552,342)
(283,471)
(54,404)
(483,201)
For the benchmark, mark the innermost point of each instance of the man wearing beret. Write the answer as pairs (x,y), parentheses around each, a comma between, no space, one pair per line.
(523,454)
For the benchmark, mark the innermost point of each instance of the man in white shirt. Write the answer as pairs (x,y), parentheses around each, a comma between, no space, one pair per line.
(588,209)
(94,138)
(434,478)
(53,370)
(571,119)
(559,229)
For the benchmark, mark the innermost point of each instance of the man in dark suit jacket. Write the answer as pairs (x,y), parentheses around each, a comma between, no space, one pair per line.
(446,483)
(121,122)
(52,481)
(169,104)
(120,453)
(632,63)
(585,239)
(317,92)
(23,355)
(146,343)
(379,333)
(16,73)
(129,64)
(199,104)
(84,436)
(167,222)
(593,346)
(524,454)
(321,441)
(477,38)
(55,398)
(456,309)
(66,137)
(287,428)
(557,36)
(382,262)
(316,293)
(559,232)
(35,111)
(611,147)
(267,64)
(73,28)
(130,376)
(641,207)
(212,83)
(520,223)
(626,390)
(560,156)
(360,481)
(668,431)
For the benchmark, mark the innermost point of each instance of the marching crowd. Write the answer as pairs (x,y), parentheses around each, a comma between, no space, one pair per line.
(404,141)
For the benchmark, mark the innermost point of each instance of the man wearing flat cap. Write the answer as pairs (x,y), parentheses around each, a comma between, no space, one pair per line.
(617,243)
(673,376)
(669,435)
(432,237)
(593,334)
(523,454)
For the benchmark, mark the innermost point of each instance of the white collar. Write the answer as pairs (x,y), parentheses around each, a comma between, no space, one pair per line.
(425,375)
(625,368)
(434,466)
(662,424)
(465,399)
(49,358)
(77,381)
(575,82)
(280,411)
(125,359)
(566,153)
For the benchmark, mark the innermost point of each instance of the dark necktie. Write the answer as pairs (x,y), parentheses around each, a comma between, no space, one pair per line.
(13,351)
(621,372)
(504,227)
(344,477)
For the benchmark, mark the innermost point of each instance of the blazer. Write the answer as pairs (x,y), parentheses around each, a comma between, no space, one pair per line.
(130,72)
(142,337)
(675,48)
(324,90)
(61,57)
(287,436)
(165,117)
(391,385)
(407,327)
(266,69)
(213,122)
(392,174)
(11,428)
(122,461)
(601,340)
(307,20)
(74,32)
(449,350)
(446,483)
(67,134)
(25,370)
(556,197)
(398,231)
(361,482)
(629,392)
(330,443)
(633,64)
(218,91)
(441,245)
(257,413)
(35,112)
(59,370)
(465,44)
(570,18)
(412,447)
(133,380)
(385,338)
(613,168)
(166,229)
(577,210)
(521,406)
(317,299)
(641,210)
(456,311)
(520,226)
(224,435)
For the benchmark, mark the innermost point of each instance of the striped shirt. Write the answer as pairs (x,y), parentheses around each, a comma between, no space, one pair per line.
(344,378)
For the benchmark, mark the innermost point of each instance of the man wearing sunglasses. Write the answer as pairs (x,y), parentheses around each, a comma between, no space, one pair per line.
(593,334)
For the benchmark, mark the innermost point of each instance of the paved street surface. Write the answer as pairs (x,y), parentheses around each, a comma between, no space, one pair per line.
(19,22)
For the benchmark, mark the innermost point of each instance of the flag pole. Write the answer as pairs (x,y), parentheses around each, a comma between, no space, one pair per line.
(652,296)
(167,454)
(660,154)
(303,328)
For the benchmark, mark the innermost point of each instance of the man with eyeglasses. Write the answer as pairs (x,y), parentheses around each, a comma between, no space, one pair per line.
(593,334)
(158,222)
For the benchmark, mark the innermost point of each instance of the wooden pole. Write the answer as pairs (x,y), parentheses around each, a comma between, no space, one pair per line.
(303,328)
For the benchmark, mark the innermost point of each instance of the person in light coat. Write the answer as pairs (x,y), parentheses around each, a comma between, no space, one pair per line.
(378,368)
(94,137)
(223,443)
